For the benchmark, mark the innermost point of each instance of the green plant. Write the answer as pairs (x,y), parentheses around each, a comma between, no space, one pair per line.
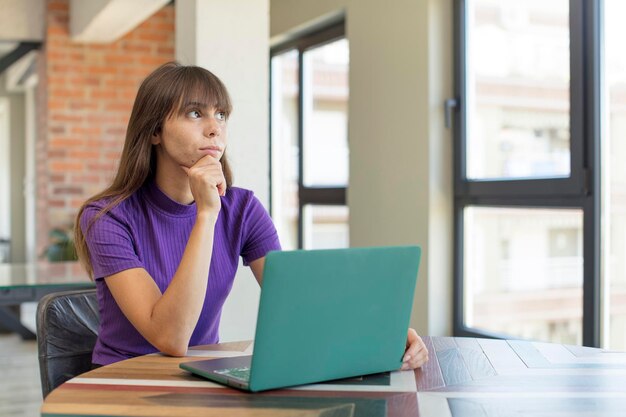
(61,247)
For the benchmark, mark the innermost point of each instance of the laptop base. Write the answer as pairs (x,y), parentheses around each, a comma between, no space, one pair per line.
(215,370)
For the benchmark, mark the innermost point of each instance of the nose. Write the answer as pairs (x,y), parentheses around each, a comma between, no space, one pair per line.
(212,127)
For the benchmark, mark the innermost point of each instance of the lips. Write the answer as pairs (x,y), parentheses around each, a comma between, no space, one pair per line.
(214,151)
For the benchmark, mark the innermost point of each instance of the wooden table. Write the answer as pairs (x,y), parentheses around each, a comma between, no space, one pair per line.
(20,283)
(464,377)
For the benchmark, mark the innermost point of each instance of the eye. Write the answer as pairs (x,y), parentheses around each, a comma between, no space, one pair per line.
(220,115)
(194,114)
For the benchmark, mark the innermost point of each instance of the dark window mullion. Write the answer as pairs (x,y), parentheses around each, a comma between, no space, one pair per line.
(458,298)
(331,34)
(22,49)
(459,169)
(301,94)
(577,95)
(563,187)
(523,202)
(592,134)
(323,196)
(591,274)
(460,115)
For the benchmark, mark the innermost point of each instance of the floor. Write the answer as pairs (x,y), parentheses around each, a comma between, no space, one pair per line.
(20,388)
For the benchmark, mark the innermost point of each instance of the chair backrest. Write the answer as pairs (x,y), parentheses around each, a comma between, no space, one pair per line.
(67,329)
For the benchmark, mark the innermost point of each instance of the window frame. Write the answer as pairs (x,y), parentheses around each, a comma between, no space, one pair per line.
(580,190)
(307,195)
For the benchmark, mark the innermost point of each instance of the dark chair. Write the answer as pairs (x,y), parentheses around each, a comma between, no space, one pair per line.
(67,328)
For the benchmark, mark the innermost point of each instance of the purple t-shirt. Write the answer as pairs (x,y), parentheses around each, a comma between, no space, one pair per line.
(149,230)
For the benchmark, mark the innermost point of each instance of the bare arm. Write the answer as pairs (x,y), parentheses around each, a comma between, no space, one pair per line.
(167,320)
(257,269)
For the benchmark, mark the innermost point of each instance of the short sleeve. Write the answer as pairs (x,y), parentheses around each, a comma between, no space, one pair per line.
(259,233)
(109,241)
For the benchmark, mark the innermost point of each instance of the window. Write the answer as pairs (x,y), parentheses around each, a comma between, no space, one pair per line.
(309,140)
(527,195)
(536,283)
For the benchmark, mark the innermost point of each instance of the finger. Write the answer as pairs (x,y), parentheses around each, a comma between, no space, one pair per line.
(411,337)
(419,359)
(221,187)
(416,349)
(413,344)
(206,160)
(416,353)
(185,169)
(415,361)
(409,357)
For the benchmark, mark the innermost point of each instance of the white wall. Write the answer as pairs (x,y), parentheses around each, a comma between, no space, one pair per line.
(30,170)
(18,140)
(15,170)
(400,188)
(105,21)
(21,20)
(5,171)
(231,39)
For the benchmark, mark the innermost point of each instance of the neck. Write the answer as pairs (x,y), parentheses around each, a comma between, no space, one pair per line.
(173,181)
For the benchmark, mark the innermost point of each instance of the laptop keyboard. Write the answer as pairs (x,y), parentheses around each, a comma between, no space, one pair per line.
(239,373)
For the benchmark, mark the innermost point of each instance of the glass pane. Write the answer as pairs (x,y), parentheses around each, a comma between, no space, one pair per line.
(325,115)
(524,272)
(614,175)
(285,147)
(325,227)
(518,89)
(43,274)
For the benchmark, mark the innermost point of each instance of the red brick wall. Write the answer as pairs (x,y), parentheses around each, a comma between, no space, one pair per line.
(87,92)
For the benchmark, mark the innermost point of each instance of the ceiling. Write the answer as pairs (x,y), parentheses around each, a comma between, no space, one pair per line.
(93,21)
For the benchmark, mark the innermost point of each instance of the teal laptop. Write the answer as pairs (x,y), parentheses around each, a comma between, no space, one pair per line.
(325,315)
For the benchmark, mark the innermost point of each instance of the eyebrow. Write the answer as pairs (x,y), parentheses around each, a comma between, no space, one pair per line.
(194,104)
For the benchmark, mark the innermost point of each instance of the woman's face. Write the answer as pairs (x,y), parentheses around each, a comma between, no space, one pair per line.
(190,134)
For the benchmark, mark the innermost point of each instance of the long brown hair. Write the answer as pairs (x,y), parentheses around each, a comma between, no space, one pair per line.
(160,96)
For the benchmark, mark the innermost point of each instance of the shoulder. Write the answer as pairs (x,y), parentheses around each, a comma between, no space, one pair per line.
(239,198)
(238,194)
(242,204)
(106,210)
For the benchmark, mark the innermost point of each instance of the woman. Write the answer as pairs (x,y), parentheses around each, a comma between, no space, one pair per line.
(163,241)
